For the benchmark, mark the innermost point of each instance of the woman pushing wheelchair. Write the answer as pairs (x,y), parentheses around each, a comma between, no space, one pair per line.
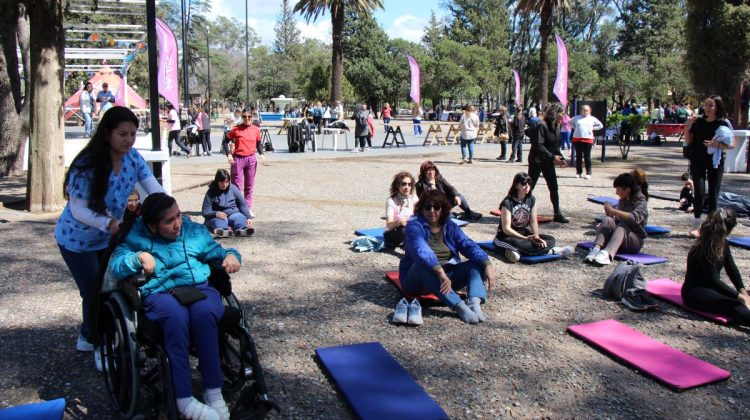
(176,254)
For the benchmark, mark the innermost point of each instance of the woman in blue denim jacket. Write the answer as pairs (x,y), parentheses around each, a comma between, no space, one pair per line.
(432,263)
(176,252)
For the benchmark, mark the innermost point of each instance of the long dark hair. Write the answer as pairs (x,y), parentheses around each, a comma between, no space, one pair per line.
(713,233)
(221,176)
(154,206)
(640,177)
(396,183)
(520,177)
(627,180)
(436,198)
(551,113)
(95,156)
(721,109)
(426,166)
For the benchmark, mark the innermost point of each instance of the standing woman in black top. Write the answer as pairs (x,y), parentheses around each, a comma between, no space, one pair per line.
(699,134)
(545,155)
(517,129)
(501,130)
(703,289)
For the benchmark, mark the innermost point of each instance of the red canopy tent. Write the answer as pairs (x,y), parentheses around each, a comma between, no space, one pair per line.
(105,74)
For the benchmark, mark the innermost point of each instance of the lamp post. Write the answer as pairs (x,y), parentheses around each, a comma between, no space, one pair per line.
(208,72)
(185,24)
(247,62)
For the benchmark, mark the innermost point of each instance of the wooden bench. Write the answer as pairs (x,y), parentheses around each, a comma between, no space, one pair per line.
(395,131)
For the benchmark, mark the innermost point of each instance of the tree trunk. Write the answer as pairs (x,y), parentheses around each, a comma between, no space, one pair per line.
(46,154)
(337,52)
(14,127)
(545,30)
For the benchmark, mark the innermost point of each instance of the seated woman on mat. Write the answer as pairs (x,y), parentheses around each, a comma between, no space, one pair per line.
(225,209)
(431,179)
(432,264)
(176,255)
(703,289)
(624,227)
(398,208)
(518,231)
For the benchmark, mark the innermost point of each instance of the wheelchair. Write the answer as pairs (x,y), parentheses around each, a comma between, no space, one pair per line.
(136,367)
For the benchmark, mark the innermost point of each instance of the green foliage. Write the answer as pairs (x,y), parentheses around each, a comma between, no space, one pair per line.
(719,46)
(288,40)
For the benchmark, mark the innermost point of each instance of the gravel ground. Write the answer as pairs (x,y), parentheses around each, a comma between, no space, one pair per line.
(304,289)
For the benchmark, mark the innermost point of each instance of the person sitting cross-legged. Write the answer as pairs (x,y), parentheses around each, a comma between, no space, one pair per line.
(431,262)
(225,209)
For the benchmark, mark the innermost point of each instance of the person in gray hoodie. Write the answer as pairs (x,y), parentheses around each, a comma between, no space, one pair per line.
(361,129)
(225,209)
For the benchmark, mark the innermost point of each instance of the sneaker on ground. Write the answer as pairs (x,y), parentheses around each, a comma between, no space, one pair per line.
(510,160)
(578,175)
(470,161)
(634,301)
(220,406)
(602,258)
(462,162)
(222,233)
(565,251)
(591,255)
(83,345)
(500,158)
(196,410)
(559,218)
(415,313)
(475,216)
(402,312)
(512,256)
(587,176)
(354,150)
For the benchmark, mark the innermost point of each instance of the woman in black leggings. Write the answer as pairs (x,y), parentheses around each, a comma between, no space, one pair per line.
(545,155)
(703,289)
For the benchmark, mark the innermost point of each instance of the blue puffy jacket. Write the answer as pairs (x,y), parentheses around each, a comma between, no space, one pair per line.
(417,249)
(184,261)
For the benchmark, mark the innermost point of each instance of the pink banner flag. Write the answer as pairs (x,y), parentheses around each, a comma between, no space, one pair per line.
(167,68)
(414,68)
(120,99)
(561,81)
(518,87)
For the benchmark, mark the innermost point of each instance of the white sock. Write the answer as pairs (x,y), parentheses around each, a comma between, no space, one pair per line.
(212,395)
(182,404)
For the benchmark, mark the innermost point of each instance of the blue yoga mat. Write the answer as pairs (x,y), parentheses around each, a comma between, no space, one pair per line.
(650,229)
(375,385)
(378,231)
(526,259)
(603,199)
(45,410)
(740,241)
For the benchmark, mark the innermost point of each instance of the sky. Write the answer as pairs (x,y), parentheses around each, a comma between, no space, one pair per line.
(400,18)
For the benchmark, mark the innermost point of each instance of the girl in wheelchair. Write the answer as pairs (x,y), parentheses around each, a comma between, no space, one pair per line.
(176,254)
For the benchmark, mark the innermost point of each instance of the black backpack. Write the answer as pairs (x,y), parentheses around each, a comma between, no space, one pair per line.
(294,139)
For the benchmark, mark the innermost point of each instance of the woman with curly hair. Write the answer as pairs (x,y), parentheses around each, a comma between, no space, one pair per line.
(399,207)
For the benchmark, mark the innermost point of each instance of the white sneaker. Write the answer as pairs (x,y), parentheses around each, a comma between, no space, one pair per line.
(415,313)
(602,258)
(402,312)
(355,150)
(591,255)
(578,175)
(222,233)
(512,256)
(196,410)
(220,407)
(83,345)
(587,176)
(564,251)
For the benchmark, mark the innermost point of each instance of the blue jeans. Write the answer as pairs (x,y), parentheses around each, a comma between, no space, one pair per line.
(417,126)
(470,144)
(234,221)
(182,325)
(422,279)
(84,267)
(386,122)
(88,124)
(565,140)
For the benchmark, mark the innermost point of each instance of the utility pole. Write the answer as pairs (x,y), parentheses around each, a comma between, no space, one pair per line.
(208,71)
(247,62)
(186,100)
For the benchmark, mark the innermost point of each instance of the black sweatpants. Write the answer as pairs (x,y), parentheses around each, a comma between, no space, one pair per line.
(546,168)
(711,300)
(583,153)
(174,135)
(700,175)
(525,246)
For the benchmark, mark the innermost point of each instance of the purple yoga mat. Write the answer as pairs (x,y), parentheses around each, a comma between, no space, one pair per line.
(667,364)
(645,259)
(669,290)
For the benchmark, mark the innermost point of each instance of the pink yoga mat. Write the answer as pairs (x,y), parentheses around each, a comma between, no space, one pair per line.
(668,365)
(669,290)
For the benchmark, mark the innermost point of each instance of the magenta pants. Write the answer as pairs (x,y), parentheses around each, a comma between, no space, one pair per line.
(243,176)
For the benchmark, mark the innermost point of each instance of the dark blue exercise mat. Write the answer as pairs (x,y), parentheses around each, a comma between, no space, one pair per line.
(650,229)
(375,385)
(740,241)
(45,410)
(526,259)
(603,199)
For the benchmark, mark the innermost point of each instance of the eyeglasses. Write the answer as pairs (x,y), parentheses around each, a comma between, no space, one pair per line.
(406,184)
(429,207)
(247,116)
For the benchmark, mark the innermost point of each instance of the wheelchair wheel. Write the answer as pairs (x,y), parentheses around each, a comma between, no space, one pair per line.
(233,349)
(119,357)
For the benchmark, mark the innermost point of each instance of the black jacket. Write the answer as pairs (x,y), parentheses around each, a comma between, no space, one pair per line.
(440,184)
(545,143)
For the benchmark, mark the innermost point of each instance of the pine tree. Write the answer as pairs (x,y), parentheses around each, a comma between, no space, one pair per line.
(288,36)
